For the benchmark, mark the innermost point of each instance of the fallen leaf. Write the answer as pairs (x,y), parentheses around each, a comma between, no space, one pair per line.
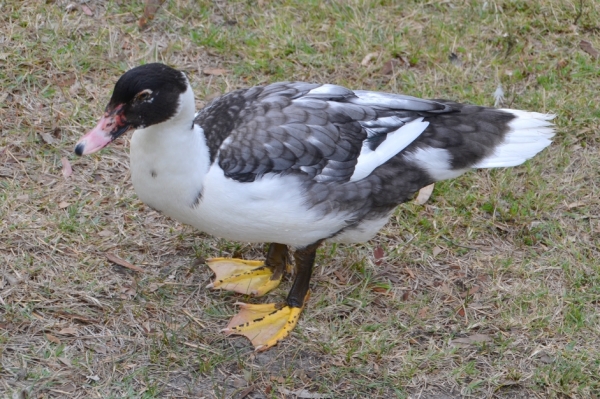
(480,338)
(150,10)
(52,339)
(11,280)
(562,63)
(422,313)
(128,291)
(86,10)
(390,66)
(101,349)
(502,227)
(65,80)
(121,262)
(278,379)
(470,291)
(380,290)
(367,59)
(215,71)
(424,194)
(588,48)
(575,204)
(470,340)
(545,358)
(378,255)
(340,277)
(63,205)
(68,387)
(68,331)
(72,316)
(303,394)
(48,139)
(106,233)
(67,170)
(246,392)
(153,287)
(436,251)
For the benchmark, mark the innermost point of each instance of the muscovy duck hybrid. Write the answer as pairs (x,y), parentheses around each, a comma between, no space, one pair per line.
(295,165)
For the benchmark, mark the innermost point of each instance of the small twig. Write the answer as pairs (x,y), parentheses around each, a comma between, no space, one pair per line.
(190,296)
(124,263)
(201,346)
(188,314)
(458,245)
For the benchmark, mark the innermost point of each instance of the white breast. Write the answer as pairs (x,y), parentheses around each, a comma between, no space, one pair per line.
(168,167)
(271,209)
(171,173)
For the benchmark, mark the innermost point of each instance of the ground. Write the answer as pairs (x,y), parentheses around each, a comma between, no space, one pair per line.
(491,289)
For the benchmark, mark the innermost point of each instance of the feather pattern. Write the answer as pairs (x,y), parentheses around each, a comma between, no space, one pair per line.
(319,130)
(296,163)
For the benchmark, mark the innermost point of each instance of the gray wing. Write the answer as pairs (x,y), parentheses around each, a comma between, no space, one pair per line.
(310,129)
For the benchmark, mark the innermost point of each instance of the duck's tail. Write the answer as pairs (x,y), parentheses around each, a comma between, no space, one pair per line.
(528,134)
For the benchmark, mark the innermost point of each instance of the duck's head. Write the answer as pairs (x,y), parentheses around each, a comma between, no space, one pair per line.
(144,96)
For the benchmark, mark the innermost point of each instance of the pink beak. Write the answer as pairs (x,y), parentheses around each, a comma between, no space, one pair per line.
(110,126)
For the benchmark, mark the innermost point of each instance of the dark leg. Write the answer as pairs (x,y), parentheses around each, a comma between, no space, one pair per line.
(267,324)
(278,258)
(305,260)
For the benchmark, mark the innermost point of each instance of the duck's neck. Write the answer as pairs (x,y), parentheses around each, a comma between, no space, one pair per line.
(169,160)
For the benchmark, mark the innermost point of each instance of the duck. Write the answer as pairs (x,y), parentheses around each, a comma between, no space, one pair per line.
(295,165)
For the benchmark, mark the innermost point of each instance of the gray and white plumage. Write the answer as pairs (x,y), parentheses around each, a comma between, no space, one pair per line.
(296,163)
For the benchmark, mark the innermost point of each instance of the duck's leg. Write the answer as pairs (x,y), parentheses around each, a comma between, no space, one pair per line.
(265,325)
(249,276)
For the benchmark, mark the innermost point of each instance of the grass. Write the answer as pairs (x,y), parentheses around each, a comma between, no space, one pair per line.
(507,255)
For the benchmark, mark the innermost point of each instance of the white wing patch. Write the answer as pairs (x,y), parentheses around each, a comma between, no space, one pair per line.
(395,142)
(436,162)
(328,89)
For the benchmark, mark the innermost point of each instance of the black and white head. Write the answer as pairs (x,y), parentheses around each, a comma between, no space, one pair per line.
(144,96)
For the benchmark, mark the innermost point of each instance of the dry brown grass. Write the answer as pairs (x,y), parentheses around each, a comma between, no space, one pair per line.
(489,290)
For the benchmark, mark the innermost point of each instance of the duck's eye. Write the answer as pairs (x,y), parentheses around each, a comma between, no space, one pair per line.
(143,95)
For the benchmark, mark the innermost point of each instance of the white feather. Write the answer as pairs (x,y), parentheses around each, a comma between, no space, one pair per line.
(436,161)
(362,232)
(395,142)
(530,133)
